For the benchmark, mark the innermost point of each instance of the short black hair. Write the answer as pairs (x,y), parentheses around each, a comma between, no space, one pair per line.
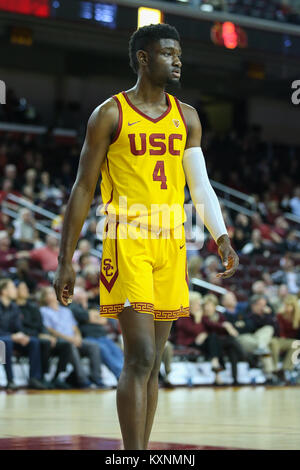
(144,36)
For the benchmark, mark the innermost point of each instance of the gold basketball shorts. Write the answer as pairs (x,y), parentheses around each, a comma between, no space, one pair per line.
(144,269)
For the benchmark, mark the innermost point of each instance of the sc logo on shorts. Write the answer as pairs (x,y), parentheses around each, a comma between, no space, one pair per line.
(2,92)
(2,352)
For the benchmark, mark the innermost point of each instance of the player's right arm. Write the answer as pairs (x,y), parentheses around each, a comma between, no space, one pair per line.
(101,127)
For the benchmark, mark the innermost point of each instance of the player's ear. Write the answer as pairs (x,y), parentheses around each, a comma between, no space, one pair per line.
(142,57)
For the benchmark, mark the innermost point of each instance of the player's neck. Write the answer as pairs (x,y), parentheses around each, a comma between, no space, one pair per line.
(144,90)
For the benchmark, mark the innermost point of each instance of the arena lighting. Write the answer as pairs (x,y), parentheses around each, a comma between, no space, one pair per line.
(149,16)
(228,35)
(27,7)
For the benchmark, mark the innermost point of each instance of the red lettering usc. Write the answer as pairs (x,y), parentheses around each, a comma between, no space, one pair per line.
(157,144)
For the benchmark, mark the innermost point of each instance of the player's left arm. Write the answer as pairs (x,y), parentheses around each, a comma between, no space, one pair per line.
(203,194)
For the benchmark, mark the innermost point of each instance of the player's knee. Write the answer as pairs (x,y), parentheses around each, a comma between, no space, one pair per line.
(142,361)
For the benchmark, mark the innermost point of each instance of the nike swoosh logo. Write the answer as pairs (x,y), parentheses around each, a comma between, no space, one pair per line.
(131,123)
(181,246)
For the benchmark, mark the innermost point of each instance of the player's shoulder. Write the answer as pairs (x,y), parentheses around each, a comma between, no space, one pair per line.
(190,114)
(187,108)
(107,111)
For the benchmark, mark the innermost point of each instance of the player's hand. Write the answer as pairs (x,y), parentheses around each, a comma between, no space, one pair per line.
(64,281)
(228,256)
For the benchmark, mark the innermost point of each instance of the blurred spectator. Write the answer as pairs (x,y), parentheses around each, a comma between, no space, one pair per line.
(289,330)
(277,301)
(84,247)
(23,273)
(47,256)
(191,332)
(243,223)
(8,254)
(91,275)
(295,202)
(255,246)
(11,333)
(231,305)
(25,231)
(239,239)
(287,275)
(194,267)
(254,335)
(32,325)
(60,323)
(214,322)
(95,329)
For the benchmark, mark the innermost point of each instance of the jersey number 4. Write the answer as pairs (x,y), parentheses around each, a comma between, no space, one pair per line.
(159,174)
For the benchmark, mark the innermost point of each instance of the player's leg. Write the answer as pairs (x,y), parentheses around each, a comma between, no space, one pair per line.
(139,357)
(162,332)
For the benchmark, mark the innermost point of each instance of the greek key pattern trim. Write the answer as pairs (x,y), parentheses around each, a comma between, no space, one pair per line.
(171,314)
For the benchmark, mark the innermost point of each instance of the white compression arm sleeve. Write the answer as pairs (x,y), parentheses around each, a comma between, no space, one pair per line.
(202,193)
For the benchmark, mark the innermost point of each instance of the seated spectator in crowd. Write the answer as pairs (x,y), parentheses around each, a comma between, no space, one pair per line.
(243,223)
(214,322)
(91,275)
(11,332)
(23,273)
(47,256)
(50,345)
(9,254)
(212,265)
(61,323)
(289,331)
(277,301)
(191,332)
(258,339)
(292,242)
(288,275)
(95,329)
(239,239)
(48,190)
(295,202)
(84,247)
(231,305)
(256,244)
(194,267)
(270,289)
(25,231)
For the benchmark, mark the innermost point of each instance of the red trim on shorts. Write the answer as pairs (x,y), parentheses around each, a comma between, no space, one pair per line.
(109,284)
(171,314)
(145,115)
(120,121)
(114,309)
(181,114)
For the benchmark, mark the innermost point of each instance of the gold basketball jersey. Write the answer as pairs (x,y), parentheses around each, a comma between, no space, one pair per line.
(142,177)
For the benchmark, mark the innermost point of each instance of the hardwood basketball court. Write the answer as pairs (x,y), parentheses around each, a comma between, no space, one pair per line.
(187,418)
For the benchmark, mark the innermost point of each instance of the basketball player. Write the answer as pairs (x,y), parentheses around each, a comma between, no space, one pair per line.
(146,144)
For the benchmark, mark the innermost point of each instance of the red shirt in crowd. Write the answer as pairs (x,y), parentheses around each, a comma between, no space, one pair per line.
(47,257)
(214,326)
(187,330)
(8,258)
(286,329)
